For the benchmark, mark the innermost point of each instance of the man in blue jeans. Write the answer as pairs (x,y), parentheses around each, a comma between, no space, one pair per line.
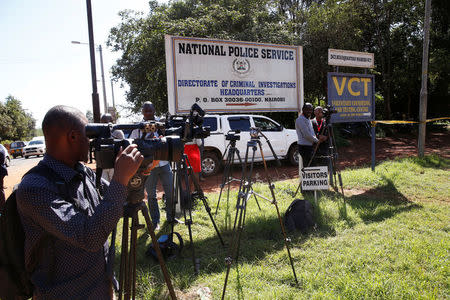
(161,171)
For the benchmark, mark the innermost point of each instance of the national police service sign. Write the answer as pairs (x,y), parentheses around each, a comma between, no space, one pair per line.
(232,76)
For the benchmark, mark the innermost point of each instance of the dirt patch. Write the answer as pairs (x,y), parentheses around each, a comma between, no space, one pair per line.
(357,154)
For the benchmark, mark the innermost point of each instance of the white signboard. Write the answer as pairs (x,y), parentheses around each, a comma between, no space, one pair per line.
(315,178)
(350,58)
(232,76)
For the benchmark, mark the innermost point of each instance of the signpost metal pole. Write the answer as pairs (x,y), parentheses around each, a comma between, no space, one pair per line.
(372,133)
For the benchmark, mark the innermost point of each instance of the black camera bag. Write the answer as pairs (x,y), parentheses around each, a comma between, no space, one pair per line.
(168,247)
(299,215)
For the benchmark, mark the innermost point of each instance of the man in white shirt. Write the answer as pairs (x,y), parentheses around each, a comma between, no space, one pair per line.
(162,171)
(306,136)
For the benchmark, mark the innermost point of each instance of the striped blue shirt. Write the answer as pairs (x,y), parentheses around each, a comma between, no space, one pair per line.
(74,262)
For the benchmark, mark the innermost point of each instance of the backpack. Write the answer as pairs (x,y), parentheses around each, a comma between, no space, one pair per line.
(299,215)
(14,278)
(169,248)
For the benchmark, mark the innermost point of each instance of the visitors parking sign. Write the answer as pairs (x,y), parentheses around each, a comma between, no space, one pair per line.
(315,178)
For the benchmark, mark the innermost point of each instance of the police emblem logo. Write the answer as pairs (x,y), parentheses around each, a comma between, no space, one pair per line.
(241,66)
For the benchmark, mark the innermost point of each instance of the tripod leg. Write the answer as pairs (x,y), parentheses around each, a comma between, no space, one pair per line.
(133,247)
(256,199)
(162,264)
(249,178)
(205,204)
(225,176)
(227,211)
(298,188)
(123,258)
(187,210)
(237,231)
(274,201)
(242,185)
(241,227)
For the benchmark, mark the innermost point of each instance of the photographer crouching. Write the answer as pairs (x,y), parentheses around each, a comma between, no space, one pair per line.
(66,221)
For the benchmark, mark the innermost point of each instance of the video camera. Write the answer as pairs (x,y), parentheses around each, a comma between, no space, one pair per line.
(255,132)
(233,135)
(328,111)
(187,127)
(106,147)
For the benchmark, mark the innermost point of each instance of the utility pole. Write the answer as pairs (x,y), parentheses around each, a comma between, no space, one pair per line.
(105,102)
(424,90)
(95,98)
(113,102)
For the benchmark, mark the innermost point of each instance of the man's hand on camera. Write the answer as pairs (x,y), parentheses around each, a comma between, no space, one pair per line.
(322,138)
(127,163)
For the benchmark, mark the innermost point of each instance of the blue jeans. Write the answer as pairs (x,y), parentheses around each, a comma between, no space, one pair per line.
(163,173)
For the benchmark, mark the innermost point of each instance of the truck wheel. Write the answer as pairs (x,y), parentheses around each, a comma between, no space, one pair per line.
(293,155)
(210,164)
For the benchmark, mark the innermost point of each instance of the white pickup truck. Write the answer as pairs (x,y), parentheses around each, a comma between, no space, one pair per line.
(283,141)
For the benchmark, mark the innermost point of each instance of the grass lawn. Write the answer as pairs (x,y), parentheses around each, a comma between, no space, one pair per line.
(389,241)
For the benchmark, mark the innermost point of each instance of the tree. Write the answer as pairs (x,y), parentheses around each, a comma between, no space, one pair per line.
(391,29)
(16,123)
(141,39)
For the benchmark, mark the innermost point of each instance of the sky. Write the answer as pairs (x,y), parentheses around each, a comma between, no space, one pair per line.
(42,68)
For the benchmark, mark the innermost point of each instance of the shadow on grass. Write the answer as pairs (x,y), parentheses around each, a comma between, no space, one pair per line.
(261,237)
(381,203)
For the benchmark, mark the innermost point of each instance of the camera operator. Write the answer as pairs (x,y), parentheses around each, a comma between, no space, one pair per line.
(3,173)
(306,135)
(320,128)
(107,174)
(66,222)
(161,171)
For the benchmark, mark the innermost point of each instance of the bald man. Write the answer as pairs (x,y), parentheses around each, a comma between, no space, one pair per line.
(66,222)
(305,133)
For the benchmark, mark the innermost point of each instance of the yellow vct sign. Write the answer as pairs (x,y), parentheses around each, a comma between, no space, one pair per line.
(354,85)
(352,96)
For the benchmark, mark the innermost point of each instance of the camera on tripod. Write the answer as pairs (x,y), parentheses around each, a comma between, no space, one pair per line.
(187,127)
(255,132)
(328,111)
(233,135)
(106,147)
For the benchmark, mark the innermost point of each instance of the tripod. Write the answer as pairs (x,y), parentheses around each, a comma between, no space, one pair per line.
(127,275)
(227,178)
(331,156)
(245,192)
(182,171)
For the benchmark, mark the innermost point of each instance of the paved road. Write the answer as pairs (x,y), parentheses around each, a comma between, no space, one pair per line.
(19,166)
